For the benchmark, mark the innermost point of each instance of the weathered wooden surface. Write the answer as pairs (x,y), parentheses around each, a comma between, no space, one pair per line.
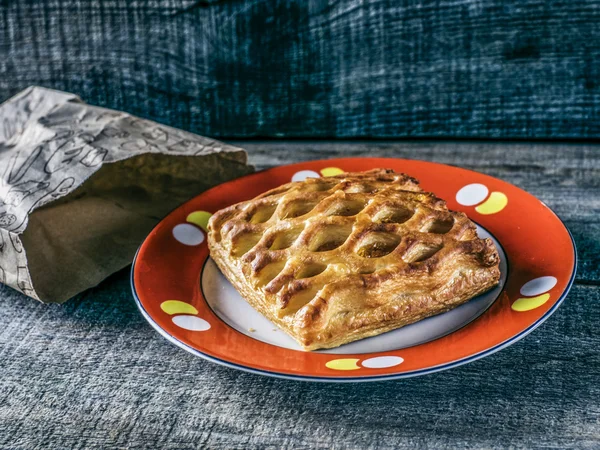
(93,373)
(318,68)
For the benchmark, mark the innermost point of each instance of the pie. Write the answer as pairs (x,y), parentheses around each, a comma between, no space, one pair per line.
(336,259)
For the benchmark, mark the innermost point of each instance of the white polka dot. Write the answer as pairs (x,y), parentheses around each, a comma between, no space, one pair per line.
(381,362)
(188,234)
(191,323)
(472,194)
(304,174)
(538,286)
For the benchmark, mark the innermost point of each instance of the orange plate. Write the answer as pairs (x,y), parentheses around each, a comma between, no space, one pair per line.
(540,253)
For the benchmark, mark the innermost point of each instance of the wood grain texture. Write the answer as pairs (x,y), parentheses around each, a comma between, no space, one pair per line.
(318,68)
(93,374)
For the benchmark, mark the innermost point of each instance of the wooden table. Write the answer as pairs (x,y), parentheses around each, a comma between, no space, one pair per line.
(93,373)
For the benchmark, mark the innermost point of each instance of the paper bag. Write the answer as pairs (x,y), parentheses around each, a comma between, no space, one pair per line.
(81,186)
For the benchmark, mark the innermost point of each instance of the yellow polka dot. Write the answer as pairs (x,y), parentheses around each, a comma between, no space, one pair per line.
(529,303)
(331,171)
(495,203)
(177,307)
(343,364)
(199,218)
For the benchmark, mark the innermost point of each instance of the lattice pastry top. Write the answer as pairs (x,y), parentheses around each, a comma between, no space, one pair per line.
(332,260)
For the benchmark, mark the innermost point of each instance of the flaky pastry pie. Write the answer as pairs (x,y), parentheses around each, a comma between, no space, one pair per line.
(336,259)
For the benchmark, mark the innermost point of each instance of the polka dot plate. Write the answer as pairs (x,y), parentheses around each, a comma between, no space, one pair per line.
(183,295)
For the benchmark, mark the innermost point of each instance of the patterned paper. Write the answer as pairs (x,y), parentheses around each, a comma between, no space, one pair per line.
(51,142)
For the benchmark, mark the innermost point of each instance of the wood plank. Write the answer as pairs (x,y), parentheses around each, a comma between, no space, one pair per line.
(93,373)
(564,176)
(318,68)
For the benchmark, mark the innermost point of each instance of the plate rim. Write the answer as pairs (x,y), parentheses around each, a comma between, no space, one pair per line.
(366,378)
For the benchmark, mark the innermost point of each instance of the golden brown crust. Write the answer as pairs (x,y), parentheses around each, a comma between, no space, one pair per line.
(332,260)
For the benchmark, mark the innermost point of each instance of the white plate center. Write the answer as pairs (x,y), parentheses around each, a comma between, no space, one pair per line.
(230,307)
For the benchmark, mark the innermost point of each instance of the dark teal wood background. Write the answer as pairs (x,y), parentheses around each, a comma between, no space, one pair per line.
(315,68)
